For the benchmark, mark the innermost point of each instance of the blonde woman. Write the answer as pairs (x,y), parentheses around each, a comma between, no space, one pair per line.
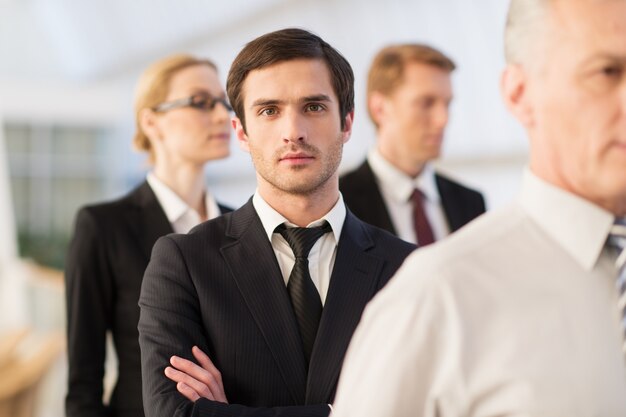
(183,122)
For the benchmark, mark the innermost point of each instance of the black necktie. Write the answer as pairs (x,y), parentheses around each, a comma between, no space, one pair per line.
(304,296)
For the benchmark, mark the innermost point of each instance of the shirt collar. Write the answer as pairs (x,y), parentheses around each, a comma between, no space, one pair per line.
(397,184)
(270,218)
(577,225)
(174,206)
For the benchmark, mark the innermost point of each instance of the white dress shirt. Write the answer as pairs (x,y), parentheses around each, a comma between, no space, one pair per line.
(515,315)
(396,188)
(182,217)
(323,253)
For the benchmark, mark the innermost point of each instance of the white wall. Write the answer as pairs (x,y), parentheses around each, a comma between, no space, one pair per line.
(481,133)
(484,146)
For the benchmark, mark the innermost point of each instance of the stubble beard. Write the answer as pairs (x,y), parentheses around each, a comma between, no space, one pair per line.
(294,180)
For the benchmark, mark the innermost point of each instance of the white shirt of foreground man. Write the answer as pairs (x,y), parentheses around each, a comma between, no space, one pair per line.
(517,315)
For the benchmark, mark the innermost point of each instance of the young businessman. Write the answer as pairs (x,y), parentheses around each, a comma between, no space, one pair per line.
(273,291)
(409,90)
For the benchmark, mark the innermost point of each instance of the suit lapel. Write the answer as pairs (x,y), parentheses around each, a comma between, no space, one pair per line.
(255,270)
(149,221)
(451,207)
(379,214)
(353,282)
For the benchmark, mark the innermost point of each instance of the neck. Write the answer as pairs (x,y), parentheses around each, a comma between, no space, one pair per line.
(187,182)
(301,209)
(405,163)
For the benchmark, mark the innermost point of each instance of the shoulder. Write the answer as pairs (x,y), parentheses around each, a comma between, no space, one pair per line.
(209,233)
(386,245)
(472,253)
(447,183)
(360,176)
(113,208)
(223,208)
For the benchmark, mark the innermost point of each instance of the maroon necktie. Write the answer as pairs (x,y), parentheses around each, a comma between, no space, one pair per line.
(422,228)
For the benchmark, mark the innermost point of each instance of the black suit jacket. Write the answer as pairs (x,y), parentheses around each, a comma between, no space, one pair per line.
(220,288)
(362,195)
(105,264)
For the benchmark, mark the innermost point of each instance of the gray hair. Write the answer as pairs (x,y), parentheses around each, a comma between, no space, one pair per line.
(523,28)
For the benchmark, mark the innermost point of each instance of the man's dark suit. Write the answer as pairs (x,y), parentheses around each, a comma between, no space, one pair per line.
(362,195)
(220,288)
(104,268)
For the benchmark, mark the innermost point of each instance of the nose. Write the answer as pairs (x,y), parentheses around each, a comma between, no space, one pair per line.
(293,127)
(441,115)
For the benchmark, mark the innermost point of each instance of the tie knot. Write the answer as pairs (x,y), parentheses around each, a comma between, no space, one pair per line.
(302,239)
(417,196)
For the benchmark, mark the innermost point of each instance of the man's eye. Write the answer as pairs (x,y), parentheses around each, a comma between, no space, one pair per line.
(270,111)
(427,102)
(314,107)
(612,71)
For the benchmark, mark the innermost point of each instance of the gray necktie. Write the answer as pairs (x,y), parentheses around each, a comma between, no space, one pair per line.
(617,239)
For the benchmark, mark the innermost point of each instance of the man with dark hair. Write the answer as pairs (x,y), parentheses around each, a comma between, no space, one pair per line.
(396,188)
(273,291)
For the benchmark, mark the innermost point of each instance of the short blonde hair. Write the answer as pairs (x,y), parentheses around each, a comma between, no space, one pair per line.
(153,87)
(387,70)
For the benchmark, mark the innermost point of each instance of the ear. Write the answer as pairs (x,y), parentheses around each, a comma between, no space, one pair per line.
(149,125)
(515,92)
(240,132)
(347,126)
(376,105)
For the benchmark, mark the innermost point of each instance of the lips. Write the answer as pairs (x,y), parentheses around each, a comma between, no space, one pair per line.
(297,157)
(223,136)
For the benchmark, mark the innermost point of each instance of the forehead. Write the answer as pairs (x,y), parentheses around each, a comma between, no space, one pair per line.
(195,78)
(589,26)
(288,80)
(421,77)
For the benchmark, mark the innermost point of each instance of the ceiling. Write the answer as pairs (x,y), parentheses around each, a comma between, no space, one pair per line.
(86,40)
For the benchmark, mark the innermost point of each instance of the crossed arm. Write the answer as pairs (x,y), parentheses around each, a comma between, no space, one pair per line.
(169,323)
(195,381)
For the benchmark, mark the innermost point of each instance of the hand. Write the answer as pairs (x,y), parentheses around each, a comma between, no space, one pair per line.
(197,381)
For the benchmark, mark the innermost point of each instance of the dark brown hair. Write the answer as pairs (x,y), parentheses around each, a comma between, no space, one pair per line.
(286,45)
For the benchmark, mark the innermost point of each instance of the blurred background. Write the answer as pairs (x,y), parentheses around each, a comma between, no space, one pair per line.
(67,75)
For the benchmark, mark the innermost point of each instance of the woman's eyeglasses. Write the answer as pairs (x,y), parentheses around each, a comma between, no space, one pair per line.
(197,101)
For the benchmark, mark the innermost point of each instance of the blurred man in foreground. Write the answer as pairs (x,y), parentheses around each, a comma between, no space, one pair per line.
(522,312)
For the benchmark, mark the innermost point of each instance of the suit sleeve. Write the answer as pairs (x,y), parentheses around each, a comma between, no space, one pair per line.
(89,289)
(170,323)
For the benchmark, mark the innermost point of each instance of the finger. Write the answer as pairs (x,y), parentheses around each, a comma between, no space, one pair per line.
(187,366)
(199,387)
(193,370)
(206,363)
(187,391)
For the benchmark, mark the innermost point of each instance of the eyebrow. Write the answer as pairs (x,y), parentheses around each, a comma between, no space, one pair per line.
(274,102)
(200,90)
(605,56)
